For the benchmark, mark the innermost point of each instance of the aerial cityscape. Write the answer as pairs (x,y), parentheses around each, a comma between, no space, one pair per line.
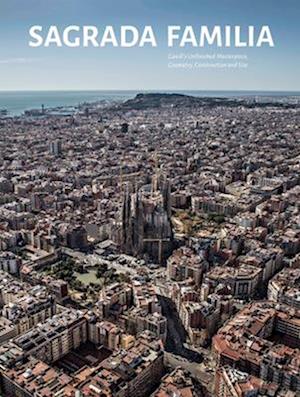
(150,247)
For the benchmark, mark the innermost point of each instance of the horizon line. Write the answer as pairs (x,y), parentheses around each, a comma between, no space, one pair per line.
(150,89)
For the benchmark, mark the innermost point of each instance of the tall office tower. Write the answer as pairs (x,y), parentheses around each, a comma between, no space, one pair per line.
(146,221)
(55,147)
(36,202)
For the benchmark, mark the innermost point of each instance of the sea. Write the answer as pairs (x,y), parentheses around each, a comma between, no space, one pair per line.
(16,102)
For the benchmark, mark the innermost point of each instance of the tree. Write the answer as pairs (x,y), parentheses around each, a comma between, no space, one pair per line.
(101,270)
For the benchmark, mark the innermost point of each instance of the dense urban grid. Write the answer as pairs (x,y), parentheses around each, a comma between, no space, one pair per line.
(151,248)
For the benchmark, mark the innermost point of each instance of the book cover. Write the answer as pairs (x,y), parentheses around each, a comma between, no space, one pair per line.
(149,198)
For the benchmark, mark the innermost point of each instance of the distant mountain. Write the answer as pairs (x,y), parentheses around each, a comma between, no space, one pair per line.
(163,100)
(158,100)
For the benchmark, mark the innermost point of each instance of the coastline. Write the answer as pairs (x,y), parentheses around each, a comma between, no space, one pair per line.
(16,102)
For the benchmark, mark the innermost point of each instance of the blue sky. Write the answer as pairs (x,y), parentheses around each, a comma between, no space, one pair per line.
(26,68)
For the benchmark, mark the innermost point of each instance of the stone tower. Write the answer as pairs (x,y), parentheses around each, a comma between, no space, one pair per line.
(146,221)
